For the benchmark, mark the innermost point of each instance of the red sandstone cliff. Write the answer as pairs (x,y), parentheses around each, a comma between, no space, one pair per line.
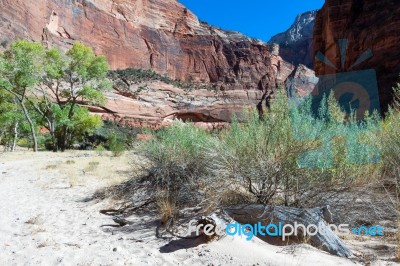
(158,34)
(367,24)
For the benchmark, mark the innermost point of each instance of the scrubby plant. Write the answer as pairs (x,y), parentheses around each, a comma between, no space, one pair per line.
(292,157)
(116,146)
(289,157)
(92,166)
(100,150)
(178,161)
(259,154)
(389,141)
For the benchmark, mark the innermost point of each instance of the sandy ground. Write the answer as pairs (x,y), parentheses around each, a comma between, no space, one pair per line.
(46,221)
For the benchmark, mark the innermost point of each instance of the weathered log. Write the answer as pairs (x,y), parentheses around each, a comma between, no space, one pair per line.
(254,213)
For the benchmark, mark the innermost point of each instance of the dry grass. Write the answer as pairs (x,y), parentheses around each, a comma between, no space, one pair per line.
(167,209)
(80,167)
(92,166)
(110,171)
(51,167)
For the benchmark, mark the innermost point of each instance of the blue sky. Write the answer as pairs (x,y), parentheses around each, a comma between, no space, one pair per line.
(256,18)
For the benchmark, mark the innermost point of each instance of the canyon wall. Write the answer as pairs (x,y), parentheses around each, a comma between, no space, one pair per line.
(159,34)
(366,24)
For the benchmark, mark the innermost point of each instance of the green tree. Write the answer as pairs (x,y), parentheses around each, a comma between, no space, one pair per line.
(55,86)
(10,120)
(21,69)
(84,76)
(79,77)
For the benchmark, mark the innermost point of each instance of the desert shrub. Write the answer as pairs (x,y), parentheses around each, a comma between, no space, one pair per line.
(389,140)
(259,154)
(166,207)
(290,156)
(178,163)
(92,166)
(100,150)
(116,146)
(396,97)
(101,136)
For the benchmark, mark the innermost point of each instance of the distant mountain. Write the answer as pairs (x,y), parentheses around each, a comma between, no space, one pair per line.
(296,43)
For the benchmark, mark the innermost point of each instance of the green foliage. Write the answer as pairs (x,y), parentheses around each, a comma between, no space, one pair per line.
(85,63)
(126,134)
(343,138)
(116,146)
(389,141)
(178,156)
(260,154)
(100,150)
(84,73)
(22,65)
(396,96)
(49,87)
(55,64)
(289,156)
(21,69)
(79,124)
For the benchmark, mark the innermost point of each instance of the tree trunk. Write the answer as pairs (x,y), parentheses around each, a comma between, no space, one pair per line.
(53,135)
(15,137)
(31,125)
(254,213)
(64,139)
(54,142)
(20,99)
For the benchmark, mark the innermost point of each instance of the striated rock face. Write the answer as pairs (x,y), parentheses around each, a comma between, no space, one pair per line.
(367,24)
(159,34)
(301,82)
(154,103)
(296,43)
(154,34)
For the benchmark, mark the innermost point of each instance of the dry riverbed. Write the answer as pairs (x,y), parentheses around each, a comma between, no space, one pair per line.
(45,220)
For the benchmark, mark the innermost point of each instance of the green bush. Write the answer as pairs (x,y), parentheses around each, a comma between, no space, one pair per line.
(288,157)
(389,141)
(100,150)
(179,163)
(116,146)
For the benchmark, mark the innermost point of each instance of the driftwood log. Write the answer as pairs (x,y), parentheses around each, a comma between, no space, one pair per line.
(254,213)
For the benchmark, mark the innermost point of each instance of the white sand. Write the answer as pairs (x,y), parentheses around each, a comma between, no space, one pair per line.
(45,222)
